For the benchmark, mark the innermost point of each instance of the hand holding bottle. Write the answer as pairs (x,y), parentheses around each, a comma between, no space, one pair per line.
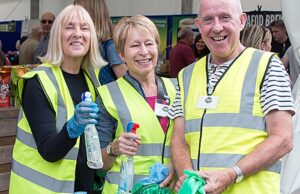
(92,142)
(125,145)
(127,170)
(85,113)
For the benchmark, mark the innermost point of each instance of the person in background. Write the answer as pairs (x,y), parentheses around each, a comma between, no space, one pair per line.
(17,45)
(231,124)
(100,15)
(49,154)
(200,48)
(3,60)
(13,56)
(46,22)
(258,37)
(140,90)
(182,54)
(22,40)
(281,41)
(29,45)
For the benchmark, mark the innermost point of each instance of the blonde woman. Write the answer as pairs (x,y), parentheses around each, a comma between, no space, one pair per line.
(258,37)
(49,154)
(138,96)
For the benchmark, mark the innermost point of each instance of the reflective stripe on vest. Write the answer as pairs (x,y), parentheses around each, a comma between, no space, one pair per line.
(113,177)
(42,179)
(94,75)
(226,120)
(61,113)
(27,139)
(227,161)
(121,92)
(31,170)
(120,103)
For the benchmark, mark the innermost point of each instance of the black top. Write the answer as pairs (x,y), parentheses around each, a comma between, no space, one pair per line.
(53,145)
(280,48)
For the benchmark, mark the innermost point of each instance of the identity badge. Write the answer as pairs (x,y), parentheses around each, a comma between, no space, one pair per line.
(161,108)
(208,102)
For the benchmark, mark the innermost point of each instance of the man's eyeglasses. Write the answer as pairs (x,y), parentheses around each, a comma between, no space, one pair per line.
(46,21)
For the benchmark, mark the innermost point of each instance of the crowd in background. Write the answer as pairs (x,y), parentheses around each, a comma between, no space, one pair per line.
(188,49)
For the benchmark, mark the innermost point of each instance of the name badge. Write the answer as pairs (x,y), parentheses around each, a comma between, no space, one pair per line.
(161,110)
(208,102)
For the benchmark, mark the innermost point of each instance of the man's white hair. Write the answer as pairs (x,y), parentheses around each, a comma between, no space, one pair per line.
(237,3)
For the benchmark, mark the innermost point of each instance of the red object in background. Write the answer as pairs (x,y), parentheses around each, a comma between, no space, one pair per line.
(5,75)
(7,61)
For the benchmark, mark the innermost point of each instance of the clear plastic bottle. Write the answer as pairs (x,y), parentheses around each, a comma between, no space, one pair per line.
(126,170)
(92,143)
(126,175)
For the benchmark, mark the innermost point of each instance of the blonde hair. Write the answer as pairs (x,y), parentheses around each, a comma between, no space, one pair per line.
(100,15)
(254,36)
(267,34)
(55,53)
(125,26)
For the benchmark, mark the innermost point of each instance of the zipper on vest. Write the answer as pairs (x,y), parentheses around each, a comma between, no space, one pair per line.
(200,140)
(164,143)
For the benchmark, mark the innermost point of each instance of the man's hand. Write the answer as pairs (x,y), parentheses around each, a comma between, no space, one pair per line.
(217,180)
(180,182)
(180,151)
(170,180)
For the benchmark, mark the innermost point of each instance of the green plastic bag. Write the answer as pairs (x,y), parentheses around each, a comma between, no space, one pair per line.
(193,184)
(150,189)
(99,179)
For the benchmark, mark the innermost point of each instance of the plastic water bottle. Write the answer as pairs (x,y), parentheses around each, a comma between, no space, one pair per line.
(126,175)
(126,170)
(92,143)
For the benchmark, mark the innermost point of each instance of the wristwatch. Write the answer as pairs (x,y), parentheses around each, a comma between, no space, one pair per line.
(239,174)
(109,150)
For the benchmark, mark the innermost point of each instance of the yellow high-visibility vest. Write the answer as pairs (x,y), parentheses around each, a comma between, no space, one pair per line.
(125,104)
(218,138)
(30,172)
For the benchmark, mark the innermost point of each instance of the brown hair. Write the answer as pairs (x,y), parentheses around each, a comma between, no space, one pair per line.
(100,15)
(278,23)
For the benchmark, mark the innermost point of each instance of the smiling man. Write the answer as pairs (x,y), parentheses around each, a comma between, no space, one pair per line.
(233,111)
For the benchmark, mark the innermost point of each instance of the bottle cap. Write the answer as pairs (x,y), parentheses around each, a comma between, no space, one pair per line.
(132,127)
(86,96)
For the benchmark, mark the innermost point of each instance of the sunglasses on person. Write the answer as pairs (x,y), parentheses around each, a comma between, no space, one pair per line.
(46,21)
